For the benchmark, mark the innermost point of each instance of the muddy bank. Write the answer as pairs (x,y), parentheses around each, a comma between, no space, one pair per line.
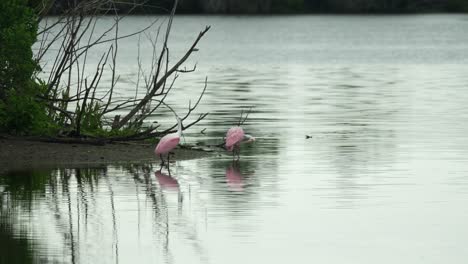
(18,153)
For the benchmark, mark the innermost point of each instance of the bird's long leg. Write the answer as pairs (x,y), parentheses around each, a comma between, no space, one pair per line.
(238,152)
(162,160)
(168,156)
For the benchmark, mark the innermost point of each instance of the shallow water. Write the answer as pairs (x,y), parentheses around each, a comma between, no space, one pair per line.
(383,177)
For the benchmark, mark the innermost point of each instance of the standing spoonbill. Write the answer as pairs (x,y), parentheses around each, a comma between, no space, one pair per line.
(169,142)
(234,137)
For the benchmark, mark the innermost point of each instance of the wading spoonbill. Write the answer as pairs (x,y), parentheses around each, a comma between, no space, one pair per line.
(234,137)
(169,142)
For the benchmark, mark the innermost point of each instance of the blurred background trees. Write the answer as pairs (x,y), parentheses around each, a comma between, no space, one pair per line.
(287,6)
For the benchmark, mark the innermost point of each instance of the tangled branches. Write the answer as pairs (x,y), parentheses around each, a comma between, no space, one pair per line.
(77,98)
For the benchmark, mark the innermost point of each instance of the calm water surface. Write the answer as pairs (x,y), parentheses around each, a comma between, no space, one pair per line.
(383,178)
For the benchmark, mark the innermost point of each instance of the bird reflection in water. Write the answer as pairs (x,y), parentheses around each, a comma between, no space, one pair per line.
(234,178)
(166,181)
(181,223)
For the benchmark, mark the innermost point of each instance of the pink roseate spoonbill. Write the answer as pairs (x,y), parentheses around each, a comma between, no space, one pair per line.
(235,136)
(169,142)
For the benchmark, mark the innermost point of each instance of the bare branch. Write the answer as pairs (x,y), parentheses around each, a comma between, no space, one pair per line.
(69,73)
(242,120)
(114,60)
(189,70)
(145,100)
(97,77)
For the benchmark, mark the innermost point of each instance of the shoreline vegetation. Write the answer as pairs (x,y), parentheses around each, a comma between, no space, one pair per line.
(266,7)
(60,118)
(68,100)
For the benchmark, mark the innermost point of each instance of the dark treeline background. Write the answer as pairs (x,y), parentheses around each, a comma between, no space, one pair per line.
(282,6)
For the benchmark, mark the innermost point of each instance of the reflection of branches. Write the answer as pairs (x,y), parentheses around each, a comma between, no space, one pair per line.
(67,210)
(60,183)
(161,223)
(114,221)
(70,222)
(137,195)
(82,193)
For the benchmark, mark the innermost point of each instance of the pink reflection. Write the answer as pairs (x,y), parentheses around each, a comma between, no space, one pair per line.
(166,181)
(234,178)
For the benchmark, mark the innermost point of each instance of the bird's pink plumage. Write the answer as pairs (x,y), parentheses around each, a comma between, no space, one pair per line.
(233,137)
(166,144)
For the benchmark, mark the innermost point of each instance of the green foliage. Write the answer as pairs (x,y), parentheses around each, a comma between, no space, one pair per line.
(18,28)
(107,133)
(22,114)
(91,118)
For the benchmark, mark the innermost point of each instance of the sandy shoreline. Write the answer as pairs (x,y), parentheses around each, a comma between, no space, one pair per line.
(17,153)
